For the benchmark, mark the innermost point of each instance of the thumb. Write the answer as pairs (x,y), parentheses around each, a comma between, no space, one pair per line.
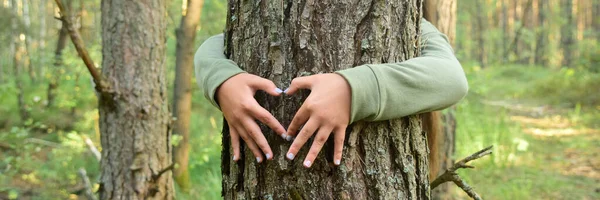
(299,83)
(259,83)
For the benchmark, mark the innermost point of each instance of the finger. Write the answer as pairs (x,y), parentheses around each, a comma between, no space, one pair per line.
(299,83)
(250,144)
(235,143)
(299,119)
(254,131)
(317,145)
(259,83)
(307,131)
(338,145)
(266,118)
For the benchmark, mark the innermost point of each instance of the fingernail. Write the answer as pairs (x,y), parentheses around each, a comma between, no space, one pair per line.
(284,136)
(337,162)
(258,159)
(290,156)
(268,156)
(235,158)
(286,90)
(307,163)
(288,138)
(278,91)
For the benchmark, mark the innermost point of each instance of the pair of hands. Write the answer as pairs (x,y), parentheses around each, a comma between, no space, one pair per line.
(325,111)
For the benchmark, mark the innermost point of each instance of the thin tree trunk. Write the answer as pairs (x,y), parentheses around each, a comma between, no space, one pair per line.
(596,20)
(18,52)
(184,64)
(442,14)
(281,40)
(542,37)
(479,26)
(41,52)
(134,116)
(567,33)
(27,48)
(505,29)
(61,43)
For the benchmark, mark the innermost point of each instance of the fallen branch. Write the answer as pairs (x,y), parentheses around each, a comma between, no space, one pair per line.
(87,185)
(451,175)
(42,142)
(101,86)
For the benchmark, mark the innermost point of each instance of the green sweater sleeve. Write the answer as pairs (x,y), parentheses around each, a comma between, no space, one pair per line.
(212,67)
(433,81)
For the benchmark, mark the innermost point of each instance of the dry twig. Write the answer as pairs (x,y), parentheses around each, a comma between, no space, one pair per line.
(451,175)
(87,185)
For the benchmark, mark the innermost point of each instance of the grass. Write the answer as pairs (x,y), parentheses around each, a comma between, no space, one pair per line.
(526,163)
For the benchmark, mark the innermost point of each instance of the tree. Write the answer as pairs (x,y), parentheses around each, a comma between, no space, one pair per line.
(442,14)
(186,34)
(542,37)
(480,34)
(567,33)
(134,116)
(61,43)
(19,50)
(596,20)
(280,40)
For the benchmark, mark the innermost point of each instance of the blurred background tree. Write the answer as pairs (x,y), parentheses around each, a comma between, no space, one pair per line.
(533,68)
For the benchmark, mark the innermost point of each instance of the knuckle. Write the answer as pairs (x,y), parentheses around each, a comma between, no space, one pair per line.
(320,140)
(246,105)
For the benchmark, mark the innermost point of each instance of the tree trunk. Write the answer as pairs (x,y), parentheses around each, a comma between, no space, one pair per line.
(41,52)
(27,39)
(596,20)
(281,40)
(542,37)
(479,27)
(442,14)
(184,65)
(567,33)
(18,53)
(134,116)
(61,43)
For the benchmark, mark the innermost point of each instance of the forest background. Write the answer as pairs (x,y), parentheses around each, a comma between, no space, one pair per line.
(533,68)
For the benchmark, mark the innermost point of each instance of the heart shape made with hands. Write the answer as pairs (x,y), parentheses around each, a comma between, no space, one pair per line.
(326,110)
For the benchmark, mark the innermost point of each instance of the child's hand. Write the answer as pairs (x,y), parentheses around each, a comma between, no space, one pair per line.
(327,109)
(240,109)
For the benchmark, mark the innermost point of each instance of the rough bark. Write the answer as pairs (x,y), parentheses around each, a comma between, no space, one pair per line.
(281,40)
(567,33)
(134,116)
(184,64)
(442,14)
(542,37)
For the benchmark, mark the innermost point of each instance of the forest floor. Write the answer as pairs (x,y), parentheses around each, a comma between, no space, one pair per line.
(543,150)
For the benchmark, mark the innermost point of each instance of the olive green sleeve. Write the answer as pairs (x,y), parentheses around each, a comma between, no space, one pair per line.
(212,67)
(435,80)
